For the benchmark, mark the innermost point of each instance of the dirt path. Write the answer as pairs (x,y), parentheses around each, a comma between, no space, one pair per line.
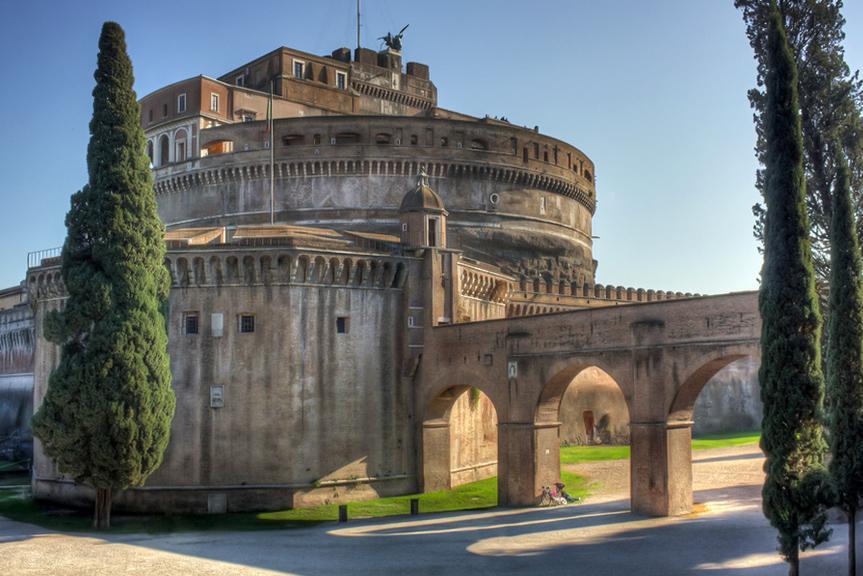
(740,466)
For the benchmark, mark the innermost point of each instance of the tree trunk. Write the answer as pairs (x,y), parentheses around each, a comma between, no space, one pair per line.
(102,515)
(794,562)
(852,541)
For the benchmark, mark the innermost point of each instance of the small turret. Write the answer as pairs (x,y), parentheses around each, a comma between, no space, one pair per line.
(423,216)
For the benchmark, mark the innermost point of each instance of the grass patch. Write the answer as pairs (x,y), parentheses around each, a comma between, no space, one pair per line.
(579,454)
(726,440)
(17,504)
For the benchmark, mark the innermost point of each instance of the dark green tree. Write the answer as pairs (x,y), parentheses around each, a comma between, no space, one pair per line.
(792,383)
(106,415)
(831,98)
(845,358)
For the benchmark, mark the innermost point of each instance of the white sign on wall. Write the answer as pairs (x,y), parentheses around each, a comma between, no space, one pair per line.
(217,396)
(512,369)
(217,324)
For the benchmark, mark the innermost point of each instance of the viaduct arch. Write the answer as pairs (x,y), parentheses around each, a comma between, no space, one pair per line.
(661,354)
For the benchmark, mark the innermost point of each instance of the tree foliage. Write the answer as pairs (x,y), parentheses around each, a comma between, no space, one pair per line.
(792,383)
(105,418)
(845,357)
(830,103)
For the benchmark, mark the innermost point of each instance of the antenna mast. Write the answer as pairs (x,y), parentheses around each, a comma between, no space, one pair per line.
(358,23)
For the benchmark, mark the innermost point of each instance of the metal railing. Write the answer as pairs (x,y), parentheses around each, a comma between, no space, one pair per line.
(36,258)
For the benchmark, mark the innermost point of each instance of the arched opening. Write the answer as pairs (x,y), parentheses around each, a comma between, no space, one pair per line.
(459,439)
(164,149)
(180,146)
(581,405)
(688,470)
(150,151)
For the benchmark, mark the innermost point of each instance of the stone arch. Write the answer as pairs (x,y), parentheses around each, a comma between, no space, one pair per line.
(547,414)
(441,453)
(249,276)
(233,268)
(706,366)
(283,265)
(302,268)
(320,270)
(266,267)
(199,271)
(216,270)
(183,271)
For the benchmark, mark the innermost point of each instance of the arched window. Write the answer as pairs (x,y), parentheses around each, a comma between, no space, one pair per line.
(164,149)
(181,148)
(588,176)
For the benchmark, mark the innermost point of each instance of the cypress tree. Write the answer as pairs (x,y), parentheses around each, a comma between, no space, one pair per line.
(106,415)
(792,383)
(845,358)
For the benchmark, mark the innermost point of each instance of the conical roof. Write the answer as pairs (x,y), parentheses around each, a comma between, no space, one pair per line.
(422,198)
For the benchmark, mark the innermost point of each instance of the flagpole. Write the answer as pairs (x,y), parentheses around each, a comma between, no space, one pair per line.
(272,155)
(358,23)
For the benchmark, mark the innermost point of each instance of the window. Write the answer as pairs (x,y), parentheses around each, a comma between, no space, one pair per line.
(249,117)
(444,141)
(190,322)
(214,102)
(299,69)
(316,139)
(240,80)
(180,154)
(343,324)
(341,80)
(293,140)
(247,323)
(150,115)
(404,226)
(383,138)
(164,110)
(346,138)
(414,140)
(411,322)
(181,103)
(432,232)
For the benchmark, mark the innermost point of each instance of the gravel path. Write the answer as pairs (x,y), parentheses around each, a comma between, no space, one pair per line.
(739,467)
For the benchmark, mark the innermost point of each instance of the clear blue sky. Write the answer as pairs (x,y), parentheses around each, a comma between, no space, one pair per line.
(654,92)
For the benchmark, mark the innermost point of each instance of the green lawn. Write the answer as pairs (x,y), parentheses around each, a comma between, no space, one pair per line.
(15,502)
(17,505)
(578,454)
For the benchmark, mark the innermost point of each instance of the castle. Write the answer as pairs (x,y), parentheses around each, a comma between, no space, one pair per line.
(324,216)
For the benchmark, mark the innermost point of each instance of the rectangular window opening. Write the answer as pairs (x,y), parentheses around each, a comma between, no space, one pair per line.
(341,80)
(181,103)
(190,323)
(343,324)
(214,102)
(247,323)
(299,69)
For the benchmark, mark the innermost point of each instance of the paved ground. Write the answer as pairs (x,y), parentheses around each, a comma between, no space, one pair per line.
(727,535)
